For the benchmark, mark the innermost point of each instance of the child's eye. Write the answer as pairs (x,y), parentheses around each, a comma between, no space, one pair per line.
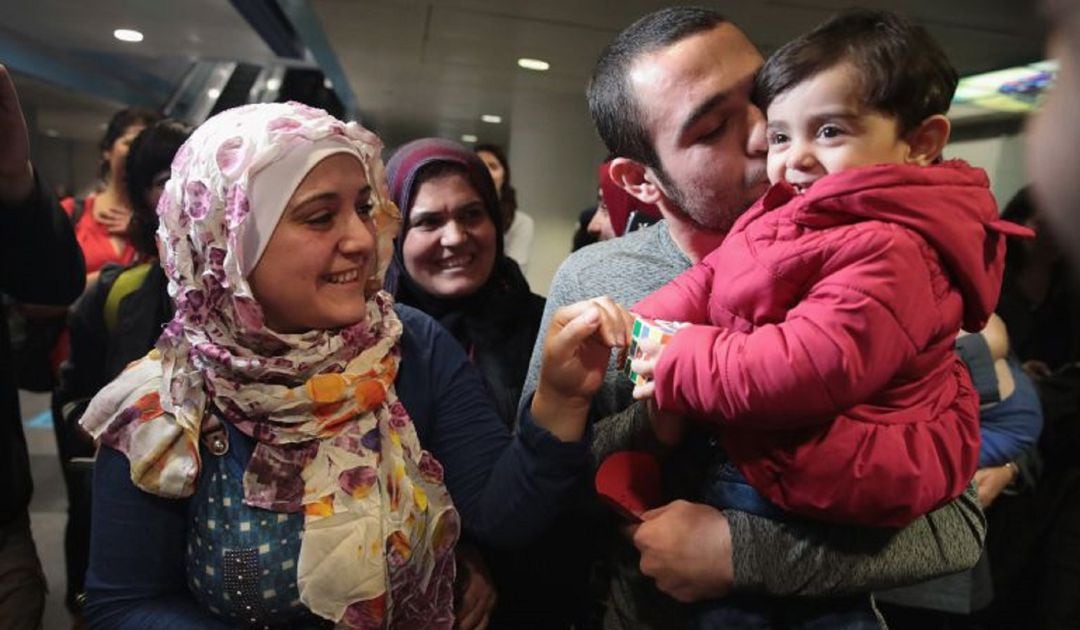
(777,138)
(830,131)
(364,209)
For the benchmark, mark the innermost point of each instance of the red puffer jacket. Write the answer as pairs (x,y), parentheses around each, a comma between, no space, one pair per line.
(829,357)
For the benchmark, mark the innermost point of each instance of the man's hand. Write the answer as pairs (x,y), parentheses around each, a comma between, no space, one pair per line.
(475,590)
(577,349)
(16,175)
(991,482)
(686,548)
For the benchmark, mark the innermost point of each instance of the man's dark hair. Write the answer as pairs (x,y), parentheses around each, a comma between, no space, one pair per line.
(902,70)
(151,153)
(614,109)
(118,124)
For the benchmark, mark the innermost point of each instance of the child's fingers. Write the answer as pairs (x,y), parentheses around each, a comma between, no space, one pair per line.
(648,347)
(644,366)
(644,391)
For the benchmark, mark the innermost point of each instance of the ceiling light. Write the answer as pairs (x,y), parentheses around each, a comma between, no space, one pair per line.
(52,133)
(213,92)
(533,64)
(127,35)
(468,137)
(491,118)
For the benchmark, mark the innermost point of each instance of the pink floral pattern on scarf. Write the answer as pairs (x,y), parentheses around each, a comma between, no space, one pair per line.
(333,441)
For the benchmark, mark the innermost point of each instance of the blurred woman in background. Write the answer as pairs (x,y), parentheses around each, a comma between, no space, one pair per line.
(101,220)
(518,227)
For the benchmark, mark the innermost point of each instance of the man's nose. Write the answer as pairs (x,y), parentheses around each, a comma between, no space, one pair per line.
(756,143)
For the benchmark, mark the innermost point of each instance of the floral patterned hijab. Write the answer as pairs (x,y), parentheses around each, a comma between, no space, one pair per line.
(332,439)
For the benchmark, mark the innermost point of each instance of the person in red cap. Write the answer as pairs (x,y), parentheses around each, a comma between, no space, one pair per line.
(618,211)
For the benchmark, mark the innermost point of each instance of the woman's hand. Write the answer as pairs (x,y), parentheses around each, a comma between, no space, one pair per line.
(577,349)
(475,594)
(114,220)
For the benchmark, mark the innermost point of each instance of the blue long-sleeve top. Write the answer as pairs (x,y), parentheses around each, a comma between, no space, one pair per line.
(506,487)
(1012,425)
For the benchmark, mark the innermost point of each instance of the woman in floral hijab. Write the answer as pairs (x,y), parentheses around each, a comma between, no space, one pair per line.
(297,450)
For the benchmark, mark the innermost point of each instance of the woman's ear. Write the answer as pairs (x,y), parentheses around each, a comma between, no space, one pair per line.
(634,178)
(928,140)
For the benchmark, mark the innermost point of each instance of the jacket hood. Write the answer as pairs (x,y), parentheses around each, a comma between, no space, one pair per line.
(948,204)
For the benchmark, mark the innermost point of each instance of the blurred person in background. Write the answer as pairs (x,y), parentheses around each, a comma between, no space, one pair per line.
(582,235)
(624,212)
(518,227)
(599,226)
(101,228)
(1053,134)
(101,220)
(40,262)
(1053,137)
(117,321)
(1040,293)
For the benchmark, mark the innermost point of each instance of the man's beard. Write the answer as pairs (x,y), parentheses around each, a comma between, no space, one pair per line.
(716,219)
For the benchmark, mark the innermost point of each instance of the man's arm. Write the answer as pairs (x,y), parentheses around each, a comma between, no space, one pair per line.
(40,261)
(695,552)
(817,559)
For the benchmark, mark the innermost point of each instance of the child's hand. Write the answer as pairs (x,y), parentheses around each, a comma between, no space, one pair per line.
(645,366)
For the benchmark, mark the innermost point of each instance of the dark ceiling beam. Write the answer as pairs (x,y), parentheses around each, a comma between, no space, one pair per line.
(311,33)
(268,20)
(84,73)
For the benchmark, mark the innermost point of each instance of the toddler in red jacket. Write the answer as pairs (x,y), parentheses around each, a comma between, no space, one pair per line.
(823,328)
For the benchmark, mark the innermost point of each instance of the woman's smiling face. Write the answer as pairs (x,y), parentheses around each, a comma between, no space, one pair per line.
(449,248)
(315,267)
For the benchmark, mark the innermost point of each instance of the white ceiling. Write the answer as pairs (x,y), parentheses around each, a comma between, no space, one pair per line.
(433,67)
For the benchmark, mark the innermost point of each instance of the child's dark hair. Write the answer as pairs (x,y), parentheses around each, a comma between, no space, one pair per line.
(902,70)
(151,152)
